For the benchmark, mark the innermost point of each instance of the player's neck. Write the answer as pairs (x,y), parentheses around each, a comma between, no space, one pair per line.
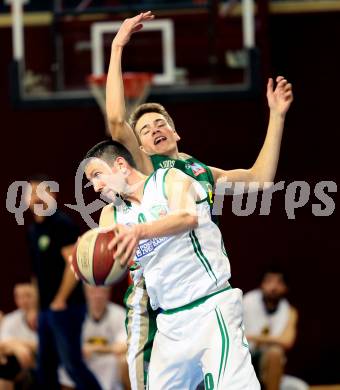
(135,181)
(173,154)
(98,313)
(271,305)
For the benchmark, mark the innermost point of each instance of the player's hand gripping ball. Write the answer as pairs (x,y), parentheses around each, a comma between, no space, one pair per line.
(93,262)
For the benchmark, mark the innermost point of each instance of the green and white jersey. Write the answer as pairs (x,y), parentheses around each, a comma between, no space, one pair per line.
(182,268)
(192,167)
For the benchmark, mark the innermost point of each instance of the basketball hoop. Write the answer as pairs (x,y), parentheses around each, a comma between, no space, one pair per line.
(136,89)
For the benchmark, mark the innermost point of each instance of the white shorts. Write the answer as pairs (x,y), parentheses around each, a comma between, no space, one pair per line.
(205,342)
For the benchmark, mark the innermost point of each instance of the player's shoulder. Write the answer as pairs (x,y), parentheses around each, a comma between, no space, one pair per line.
(11,317)
(175,173)
(108,208)
(107,215)
(252,296)
(191,159)
(174,177)
(184,156)
(293,312)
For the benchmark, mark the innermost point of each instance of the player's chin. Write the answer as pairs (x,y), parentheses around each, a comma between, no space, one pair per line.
(109,196)
(163,147)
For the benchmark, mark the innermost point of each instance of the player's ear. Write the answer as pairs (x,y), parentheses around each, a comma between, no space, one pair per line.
(177,137)
(121,165)
(119,162)
(144,151)
(141,147)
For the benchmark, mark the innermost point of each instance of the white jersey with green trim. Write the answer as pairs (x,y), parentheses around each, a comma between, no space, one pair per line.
(182,268)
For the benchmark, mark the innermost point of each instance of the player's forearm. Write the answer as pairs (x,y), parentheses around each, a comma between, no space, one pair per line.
(119,348)
(31,345)
(286,340)
(265,166)
(10,346)
(115,101)
(67,285)
(261,340)
(168,226)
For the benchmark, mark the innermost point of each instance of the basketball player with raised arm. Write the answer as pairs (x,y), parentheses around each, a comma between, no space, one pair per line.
(152,139)
(163,222)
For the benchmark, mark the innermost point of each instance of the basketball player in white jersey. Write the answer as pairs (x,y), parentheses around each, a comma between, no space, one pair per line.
(163,222)
(151,137)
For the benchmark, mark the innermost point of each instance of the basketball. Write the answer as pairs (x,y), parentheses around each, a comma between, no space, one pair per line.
(93,262)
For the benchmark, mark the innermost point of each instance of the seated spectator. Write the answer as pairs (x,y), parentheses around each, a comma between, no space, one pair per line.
(104,341)
(18,338)
(270,326)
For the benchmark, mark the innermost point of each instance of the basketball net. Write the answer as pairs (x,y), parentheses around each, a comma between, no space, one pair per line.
(136,89)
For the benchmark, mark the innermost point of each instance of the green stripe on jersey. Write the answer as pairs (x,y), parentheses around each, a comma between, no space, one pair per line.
(225,343)
(164,176)
(115,214)
(195,303)
(197,254)
(201,255)
(147,180)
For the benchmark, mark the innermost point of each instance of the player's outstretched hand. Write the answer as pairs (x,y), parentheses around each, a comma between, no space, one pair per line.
(130,26)
(126,240)
(280,98)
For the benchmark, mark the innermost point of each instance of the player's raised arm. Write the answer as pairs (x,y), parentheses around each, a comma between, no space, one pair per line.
(120,130)
(264,168)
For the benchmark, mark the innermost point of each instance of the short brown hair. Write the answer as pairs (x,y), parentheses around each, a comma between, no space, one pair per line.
(149,107)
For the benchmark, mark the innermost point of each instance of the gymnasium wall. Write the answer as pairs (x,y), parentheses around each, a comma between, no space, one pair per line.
(225,134)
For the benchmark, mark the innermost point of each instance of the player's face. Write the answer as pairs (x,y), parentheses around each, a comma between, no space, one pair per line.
(273,286)
(25,297)
(105,179)
(97,297)
(156,135)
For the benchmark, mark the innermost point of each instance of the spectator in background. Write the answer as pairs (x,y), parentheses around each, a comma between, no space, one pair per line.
(62,303)
(270,325)
(104,341)
(18,338)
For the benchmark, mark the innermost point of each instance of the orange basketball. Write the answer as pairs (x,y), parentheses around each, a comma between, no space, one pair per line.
(93,262)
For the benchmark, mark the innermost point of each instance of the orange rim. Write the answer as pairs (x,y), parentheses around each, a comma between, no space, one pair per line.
(134,82)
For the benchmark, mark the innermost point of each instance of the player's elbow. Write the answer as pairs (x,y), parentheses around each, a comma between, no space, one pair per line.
(288,343)
(259,180)
(116,127)
(115,119)
(191,220)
